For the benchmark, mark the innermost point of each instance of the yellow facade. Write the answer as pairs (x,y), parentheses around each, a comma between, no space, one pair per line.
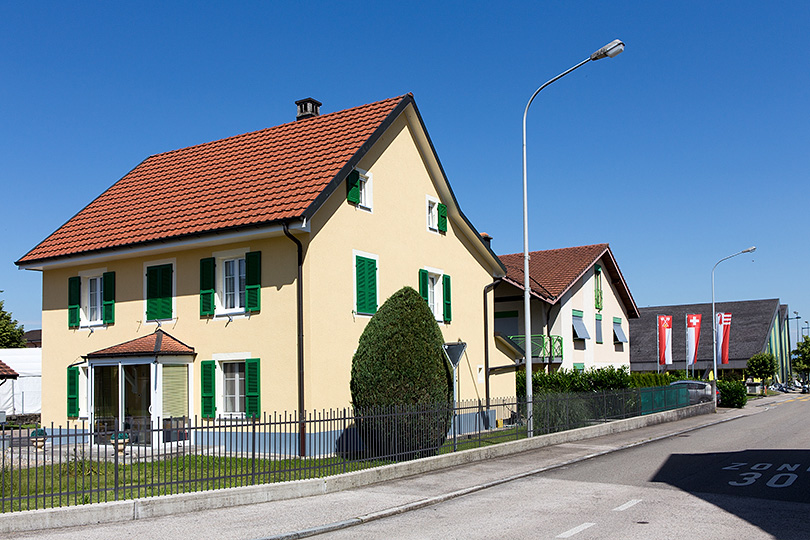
(403,176)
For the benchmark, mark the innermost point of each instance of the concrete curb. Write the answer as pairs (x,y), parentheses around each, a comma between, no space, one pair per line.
(110,512)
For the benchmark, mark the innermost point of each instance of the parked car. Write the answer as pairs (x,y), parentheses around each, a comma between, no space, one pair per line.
(699,391)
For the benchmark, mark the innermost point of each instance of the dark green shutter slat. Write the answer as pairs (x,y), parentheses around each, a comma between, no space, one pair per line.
(353,187)
(252,388)
(366,278)
(253,281)
(423,285)
(108,297)
(74,300)
(448,312)
(159,292)
(208,388)
(207,286)
(442,212)
(73,392)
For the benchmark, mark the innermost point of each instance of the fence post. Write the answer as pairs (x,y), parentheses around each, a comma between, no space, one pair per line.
(115,469)
(253,453)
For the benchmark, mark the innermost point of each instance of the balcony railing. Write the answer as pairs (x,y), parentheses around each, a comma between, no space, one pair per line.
(542,346)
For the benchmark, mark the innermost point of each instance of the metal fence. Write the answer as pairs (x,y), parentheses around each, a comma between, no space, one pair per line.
(79,465)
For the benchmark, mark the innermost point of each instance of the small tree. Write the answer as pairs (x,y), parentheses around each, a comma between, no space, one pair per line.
(762,366)
(400,367)
(801,358)
(11,333)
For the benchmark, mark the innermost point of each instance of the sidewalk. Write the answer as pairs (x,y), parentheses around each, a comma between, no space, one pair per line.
(344,507)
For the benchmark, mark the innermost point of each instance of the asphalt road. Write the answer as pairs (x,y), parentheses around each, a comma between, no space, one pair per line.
(739,479)
(749,478)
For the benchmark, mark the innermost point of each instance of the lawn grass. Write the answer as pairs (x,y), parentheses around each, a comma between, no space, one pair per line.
(84,481)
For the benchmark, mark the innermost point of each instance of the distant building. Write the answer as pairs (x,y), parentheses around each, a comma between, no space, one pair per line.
(33,339)
(756,326)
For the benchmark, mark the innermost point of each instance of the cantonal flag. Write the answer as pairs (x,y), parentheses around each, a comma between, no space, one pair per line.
(664,339)
(692,337)
(723,332)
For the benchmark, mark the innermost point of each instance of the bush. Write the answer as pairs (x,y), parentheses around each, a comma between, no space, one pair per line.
(649,379)
(400,365)
(732,394)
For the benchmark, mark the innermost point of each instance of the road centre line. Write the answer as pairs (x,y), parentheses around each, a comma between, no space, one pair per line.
(575,530)
(628,504)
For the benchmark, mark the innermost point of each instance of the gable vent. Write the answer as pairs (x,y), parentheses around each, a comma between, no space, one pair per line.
(307,108)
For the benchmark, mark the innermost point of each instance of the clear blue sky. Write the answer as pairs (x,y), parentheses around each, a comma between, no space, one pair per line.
(691,145)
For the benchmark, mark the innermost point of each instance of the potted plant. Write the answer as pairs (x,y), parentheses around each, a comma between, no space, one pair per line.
(120,441)
(37,438)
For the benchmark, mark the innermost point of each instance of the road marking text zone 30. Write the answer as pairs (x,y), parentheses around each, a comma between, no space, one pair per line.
(778,477)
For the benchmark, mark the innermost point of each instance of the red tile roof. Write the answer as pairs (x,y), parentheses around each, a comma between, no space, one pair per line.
(554,271)
(6,372)
(247,180)
(157,344)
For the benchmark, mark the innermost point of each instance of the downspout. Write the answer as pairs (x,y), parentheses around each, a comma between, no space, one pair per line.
(486,337)
(302,427)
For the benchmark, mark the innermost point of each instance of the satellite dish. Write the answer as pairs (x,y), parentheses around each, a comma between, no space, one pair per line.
(454,351)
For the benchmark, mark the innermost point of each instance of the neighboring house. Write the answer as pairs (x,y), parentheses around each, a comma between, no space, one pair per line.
(33,338)
(756,326)
(22,394)
(580,308)
(235,278)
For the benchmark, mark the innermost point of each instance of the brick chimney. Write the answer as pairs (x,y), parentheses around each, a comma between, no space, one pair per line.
(307,108)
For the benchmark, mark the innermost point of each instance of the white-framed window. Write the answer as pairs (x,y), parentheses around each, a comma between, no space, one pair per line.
(434,287)
(432,214)
(366,190)
(95,288)
(232,290)
(233,395)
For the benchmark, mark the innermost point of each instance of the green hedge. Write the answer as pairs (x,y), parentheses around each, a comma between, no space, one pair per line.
(732,394)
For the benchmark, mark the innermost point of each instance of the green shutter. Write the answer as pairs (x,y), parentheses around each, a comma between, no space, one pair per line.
(207,286)
(252,388)
(442,213)
(423,285)
(74,301)
(253,281)
(73,392)
(108,297)
(208,388)
(353,187)
(159,292)
(448,312)
(366,281)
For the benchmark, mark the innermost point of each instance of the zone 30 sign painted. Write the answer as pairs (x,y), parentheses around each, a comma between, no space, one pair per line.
(774,476)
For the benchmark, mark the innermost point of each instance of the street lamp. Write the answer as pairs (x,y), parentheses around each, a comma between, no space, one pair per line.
(714,318)
(608,51)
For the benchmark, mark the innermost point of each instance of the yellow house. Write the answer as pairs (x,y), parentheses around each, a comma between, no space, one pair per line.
(580,308)
(235,277)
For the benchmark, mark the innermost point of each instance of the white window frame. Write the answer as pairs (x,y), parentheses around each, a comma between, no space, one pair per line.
(432,214)
(220,258)
(220,360)
(85,277)
(356,253)
(239,396)
(365,185)
(159,262)
(437,291)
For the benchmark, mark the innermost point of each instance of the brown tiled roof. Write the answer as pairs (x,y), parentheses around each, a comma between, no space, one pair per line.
(552,272)
(243,181)
(6,372)
(157,344)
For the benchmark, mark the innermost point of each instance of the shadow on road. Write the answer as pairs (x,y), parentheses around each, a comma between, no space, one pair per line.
(739,481)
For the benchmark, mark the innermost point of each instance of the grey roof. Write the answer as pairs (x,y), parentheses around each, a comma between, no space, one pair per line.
(751,322)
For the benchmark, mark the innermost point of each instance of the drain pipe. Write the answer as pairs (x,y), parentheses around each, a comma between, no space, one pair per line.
(486,337)
(302,427)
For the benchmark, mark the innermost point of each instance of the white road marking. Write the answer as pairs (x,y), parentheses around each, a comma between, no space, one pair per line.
(575,530)
(628,504)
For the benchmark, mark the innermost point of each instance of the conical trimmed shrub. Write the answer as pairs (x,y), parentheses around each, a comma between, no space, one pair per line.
(401,383)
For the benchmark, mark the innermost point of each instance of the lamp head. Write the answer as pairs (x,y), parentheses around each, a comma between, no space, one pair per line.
(750,250)
(610,50)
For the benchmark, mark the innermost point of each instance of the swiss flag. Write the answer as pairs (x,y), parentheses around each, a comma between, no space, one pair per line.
(692,337)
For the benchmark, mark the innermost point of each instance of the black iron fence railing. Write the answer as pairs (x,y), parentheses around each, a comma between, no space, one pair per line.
(75,465)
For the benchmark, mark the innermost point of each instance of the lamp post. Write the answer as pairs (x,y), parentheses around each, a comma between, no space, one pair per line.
(608,51)
(796,318)
(714,318)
